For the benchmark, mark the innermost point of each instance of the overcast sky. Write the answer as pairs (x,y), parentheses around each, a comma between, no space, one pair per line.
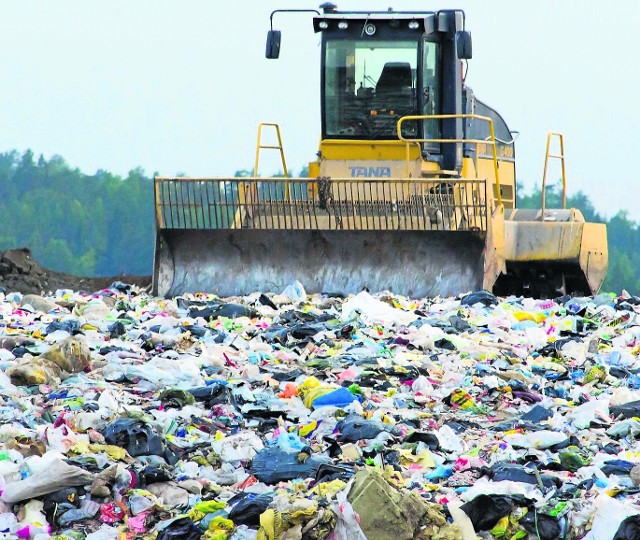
(180,86)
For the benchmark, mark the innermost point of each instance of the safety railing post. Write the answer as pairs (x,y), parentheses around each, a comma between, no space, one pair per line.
(260,146)
(559,156)
(491,141)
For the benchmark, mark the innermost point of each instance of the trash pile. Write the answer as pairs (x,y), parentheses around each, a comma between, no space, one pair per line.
(19,271)
(318,417)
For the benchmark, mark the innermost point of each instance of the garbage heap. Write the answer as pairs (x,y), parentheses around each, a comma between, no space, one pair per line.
(318,417)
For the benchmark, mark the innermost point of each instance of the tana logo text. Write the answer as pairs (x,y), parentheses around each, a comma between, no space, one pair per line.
(370,172)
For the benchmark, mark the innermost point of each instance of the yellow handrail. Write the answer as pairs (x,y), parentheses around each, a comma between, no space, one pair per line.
(260,146)
(559,156)
(491,141)
(245,194)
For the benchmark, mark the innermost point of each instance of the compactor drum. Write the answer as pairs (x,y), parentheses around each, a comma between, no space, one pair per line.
(413,190)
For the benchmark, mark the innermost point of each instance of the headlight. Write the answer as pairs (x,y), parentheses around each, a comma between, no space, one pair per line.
(323,25)
(369,29)
(343,25)
(414,25)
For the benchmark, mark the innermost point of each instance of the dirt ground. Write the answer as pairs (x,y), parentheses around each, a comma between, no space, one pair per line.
(20,272)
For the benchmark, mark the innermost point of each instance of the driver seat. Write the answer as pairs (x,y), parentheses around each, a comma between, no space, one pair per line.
(395,80)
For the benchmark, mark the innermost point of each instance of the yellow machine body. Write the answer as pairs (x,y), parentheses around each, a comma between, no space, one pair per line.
(420,212)
(423,235)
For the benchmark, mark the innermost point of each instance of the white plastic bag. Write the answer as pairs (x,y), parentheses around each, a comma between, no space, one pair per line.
(56,476)
(590,411)
(537,439)
(347,521)
(105,532)
(376,311)
(295,292)
(609,514)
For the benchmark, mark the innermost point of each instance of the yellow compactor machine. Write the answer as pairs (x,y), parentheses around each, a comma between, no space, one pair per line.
(413,189)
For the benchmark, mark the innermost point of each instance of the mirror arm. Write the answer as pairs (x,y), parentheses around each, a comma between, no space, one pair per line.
(291,11)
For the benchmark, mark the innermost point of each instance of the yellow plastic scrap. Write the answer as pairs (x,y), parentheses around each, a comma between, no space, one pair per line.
(200,460)
(270,525)
(310,383)
(311,389)
(303,514)
(114,452)
(509,526)
(393,477)
(500,529)
(595,373)
(450,531)
(328,488)
(80,448)
(218,529)
(424,458)
(462,399)
(215,535)
(203,508)
(87,326)
(274,523)
(303,431)
(526,316)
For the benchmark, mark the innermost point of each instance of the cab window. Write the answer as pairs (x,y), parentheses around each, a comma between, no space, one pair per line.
(368,86)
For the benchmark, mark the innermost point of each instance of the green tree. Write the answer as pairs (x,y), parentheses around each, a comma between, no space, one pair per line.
(56,254)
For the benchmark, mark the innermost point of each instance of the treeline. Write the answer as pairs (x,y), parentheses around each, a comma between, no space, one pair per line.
(103,224)
(89,225)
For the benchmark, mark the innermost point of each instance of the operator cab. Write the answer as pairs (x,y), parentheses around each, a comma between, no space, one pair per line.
(377,68)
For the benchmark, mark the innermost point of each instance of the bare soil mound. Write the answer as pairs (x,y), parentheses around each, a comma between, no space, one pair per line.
(20,272)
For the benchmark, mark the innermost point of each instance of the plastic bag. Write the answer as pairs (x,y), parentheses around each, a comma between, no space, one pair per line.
(247,508)
(538,439)
(355,428)
(272,465)
(295,292)
(104,533)
(57,475)
(486,510)
(629,529)
(609,516)
(376,311)
(181,529)
(347,521)
(136,437)
(479,297)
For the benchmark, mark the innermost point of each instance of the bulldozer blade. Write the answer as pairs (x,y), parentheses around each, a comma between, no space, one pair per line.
(241,261)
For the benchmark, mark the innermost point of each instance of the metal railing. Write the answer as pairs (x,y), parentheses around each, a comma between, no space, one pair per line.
(321,204)
(490,141)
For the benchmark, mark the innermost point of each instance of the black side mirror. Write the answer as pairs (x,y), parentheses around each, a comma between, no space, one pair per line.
(273,44)
(463,45)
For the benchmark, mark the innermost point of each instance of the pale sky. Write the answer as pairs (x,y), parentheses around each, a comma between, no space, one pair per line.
(180,86)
